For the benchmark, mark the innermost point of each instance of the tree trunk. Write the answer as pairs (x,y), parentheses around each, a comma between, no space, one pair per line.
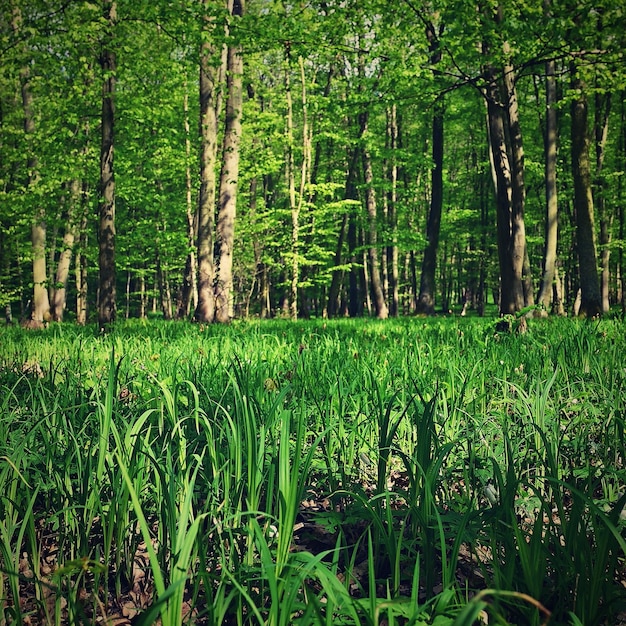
(189,287)
(294,206)
(59,292)
(81,270)
(601,127)
(332,305)
(355,302)
(551,225)
(510,250)
(164,289)
(426,298)
(621,201)
(392,250)
(370,200)
(205,310)
(590,297)
(519,251)
(40,311)
(229,180)
(106,229)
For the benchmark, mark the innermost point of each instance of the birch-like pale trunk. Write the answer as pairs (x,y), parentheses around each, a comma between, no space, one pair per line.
(189,287)
(59,291)
(229,179)
(552,212)
(40,308)
(208,88)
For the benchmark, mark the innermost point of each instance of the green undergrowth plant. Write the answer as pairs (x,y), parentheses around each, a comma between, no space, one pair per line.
(319,472)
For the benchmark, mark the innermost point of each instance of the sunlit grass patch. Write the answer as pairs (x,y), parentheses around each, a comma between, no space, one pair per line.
(340,472)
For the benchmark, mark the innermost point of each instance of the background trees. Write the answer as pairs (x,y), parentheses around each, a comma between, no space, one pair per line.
(320,144)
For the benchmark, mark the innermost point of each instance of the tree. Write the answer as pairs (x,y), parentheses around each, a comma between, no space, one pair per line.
(426,298)
(551,219)
(209,83)
(106,228)
(229,177)
(40,310)
(591,299)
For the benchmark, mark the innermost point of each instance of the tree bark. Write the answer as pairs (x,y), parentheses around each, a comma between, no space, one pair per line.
(106,229)
(59,292)
(355,301)
(208,83)
(426,298)
(591,300)
(392,250)
(189,287)
(519,251)
(602,110)
(551,224)
(382,312)
(511,288)
(229,179)
(350,193)
(40,310)
(81,270)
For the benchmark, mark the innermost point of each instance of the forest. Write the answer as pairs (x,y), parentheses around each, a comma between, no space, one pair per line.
(214,159)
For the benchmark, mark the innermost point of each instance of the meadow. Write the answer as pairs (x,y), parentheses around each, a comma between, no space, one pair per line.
(414,471)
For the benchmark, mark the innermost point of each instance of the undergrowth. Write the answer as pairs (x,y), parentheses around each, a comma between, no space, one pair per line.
(346,472)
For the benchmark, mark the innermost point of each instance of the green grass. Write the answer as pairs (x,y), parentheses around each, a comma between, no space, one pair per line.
(420,471)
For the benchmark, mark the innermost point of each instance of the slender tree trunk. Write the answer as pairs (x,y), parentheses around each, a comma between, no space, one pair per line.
(518,188)
(40,311)
(106,229)
(59,292)
(551,225)
(209,80)
(143,296)
(229,179)
(164,289)
(332,305)
(426,298)
(349,194)
(370,200)
(291,185)
(392,251)
(510,248)
(591,299)
(355,302)
(621,201)
(81,270)
(189,287)
(602,110)
(511,289)
(505,138)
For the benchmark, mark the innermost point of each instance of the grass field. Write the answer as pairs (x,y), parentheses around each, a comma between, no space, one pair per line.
(422,471)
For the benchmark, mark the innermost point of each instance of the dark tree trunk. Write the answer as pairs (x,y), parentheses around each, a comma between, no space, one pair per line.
(228,181)
(355,302)
(106,230)
(382,312)
(511,288)
(591,300)
(426,299)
